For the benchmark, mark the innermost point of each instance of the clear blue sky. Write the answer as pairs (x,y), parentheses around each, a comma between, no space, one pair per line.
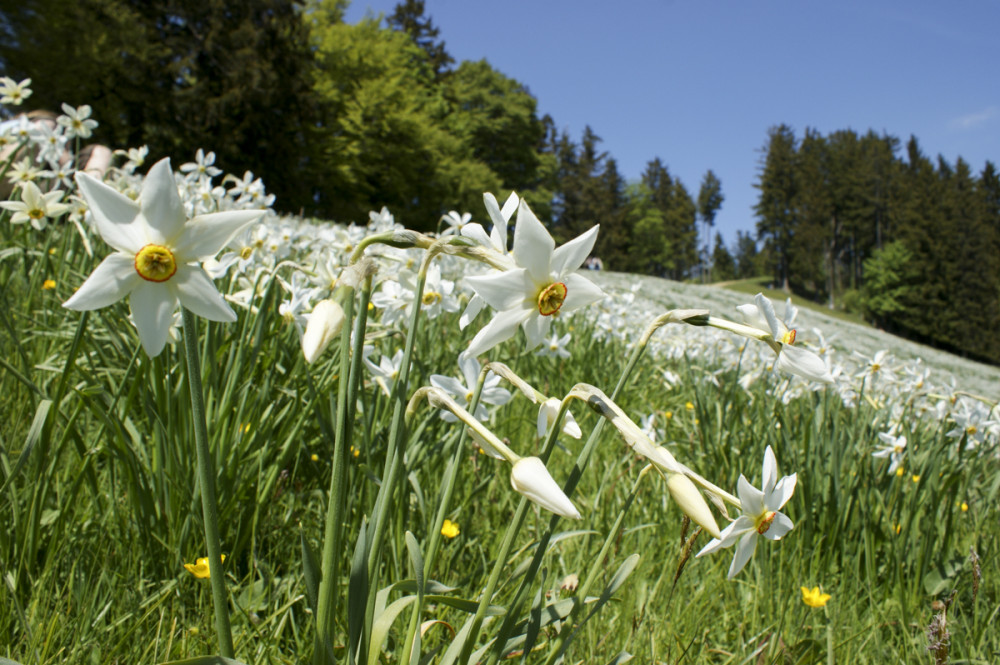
(698,84)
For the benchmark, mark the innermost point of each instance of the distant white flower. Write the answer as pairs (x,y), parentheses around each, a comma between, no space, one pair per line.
(455,222)
(12,92)
(387,370)
(202,166)
(543,283)
(760,515)
(894,447)
(973,423)
(35,207)
(159,250)
(77,121)
(555,347)
(492,393)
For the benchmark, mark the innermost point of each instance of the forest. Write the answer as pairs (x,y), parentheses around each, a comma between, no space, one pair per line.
(341,119)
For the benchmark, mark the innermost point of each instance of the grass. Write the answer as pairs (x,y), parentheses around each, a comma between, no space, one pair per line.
(100,506)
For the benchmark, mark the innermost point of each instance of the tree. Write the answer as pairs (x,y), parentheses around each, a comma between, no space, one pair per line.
(178,75)
(723,264)
(746,258)
(889,276)
(710,199)
(679,217)
(408,17)
(775,209)
(385,140)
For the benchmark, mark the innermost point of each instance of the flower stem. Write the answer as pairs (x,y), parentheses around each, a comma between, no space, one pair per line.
(326,605)
(206,478)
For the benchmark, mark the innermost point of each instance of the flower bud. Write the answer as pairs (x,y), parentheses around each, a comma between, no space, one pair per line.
(531,479)
(324,324)
(691,502)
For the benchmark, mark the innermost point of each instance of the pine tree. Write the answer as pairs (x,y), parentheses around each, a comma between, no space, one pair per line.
(723,264)
(408,17)
(710,200)
(775,209)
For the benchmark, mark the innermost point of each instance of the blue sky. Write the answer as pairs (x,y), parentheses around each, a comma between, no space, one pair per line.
(698,84)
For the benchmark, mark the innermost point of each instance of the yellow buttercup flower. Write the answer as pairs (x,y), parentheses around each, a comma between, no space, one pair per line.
(449,529)
(200,567)
(965,507)
(48,285)
(813,598)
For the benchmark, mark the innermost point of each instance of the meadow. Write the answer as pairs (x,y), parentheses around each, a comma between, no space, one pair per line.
(379,495)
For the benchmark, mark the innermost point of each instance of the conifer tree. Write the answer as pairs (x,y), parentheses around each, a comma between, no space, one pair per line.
(408,17)
(710,200)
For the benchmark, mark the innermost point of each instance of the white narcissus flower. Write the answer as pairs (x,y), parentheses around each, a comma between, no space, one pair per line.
(531,479)
(159,251)
(35,207)
(542,283)
(760,515)
(495,240)
(12,92)
(491,393)
(77,121)
(894,447)
(791,359)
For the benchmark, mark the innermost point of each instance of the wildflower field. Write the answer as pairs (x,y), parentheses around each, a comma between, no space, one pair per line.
(232,437)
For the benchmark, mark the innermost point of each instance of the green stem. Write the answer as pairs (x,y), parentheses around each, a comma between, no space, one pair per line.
(394,461)
(513,611)
(326,609)
(206,478)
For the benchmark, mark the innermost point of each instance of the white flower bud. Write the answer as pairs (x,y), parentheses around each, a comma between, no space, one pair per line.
(691,502)
(531,479)
(324,324)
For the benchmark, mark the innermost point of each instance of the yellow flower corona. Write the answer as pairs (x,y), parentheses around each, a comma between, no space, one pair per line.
(155,263)
(813,598)
(550,299)
(449,529)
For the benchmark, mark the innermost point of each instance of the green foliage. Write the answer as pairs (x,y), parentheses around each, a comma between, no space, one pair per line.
(889,276)
(723,264)
(831,206)
(178,75)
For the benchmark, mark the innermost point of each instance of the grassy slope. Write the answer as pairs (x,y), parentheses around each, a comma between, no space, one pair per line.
(657,295)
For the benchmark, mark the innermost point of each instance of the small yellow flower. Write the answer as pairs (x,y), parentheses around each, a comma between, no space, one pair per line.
(813,598)
(449,529)
(916,478)
(200,567)
(314,457)
(965,507)
(899,472)
(668,415)
(355,451)
(48,285)
(689,406)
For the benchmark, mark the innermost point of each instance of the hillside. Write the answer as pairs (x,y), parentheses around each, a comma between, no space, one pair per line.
(656,295)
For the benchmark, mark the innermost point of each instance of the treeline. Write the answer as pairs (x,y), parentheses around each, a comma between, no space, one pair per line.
(913,243)
(341,119)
